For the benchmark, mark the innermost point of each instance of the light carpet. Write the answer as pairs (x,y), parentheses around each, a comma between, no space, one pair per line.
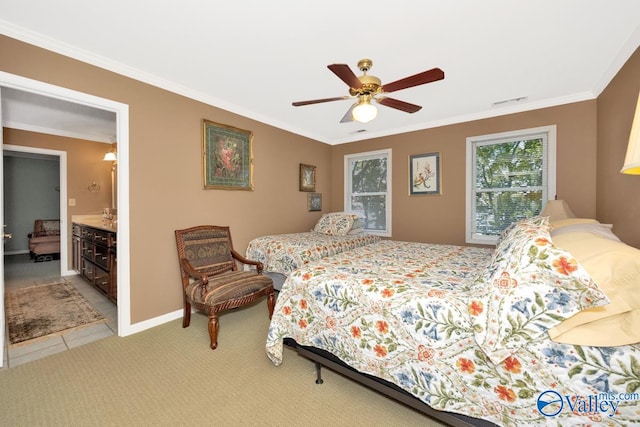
(168,376)
(39,311)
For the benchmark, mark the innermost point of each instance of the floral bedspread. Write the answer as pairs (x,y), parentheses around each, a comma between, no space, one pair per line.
(283,253)
(400,311)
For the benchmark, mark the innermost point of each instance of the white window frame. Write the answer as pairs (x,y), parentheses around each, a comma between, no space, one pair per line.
(348,160)
(549,181)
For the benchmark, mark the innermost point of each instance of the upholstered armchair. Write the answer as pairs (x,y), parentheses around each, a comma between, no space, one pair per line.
(44,240)
(211,280)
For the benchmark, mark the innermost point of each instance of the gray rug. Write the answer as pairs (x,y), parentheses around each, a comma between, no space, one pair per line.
(39,311)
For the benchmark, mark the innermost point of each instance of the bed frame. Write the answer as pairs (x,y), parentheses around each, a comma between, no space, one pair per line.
(328,360)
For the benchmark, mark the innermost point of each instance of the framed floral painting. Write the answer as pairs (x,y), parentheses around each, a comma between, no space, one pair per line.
(227,153)
(424,174)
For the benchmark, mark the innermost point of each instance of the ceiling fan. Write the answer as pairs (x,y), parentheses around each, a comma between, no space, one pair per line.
(369,88)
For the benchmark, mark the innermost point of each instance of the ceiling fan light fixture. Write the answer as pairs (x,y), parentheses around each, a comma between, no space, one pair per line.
(366,87)
(364,112)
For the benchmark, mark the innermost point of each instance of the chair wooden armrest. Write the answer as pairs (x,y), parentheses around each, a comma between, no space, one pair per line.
(244,260)
(193,273)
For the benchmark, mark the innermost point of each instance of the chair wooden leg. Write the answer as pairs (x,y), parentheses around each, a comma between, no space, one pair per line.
(186,317)
(214,325)
(271,303)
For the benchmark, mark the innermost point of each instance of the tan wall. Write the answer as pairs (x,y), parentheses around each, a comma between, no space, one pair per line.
(166,175)
(84,166)
(441,218)
(165,171)
(618,194)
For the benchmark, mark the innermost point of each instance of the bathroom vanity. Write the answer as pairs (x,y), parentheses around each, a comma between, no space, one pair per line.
(94,255)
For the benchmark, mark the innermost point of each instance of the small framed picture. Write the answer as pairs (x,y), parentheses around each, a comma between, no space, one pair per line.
(307,178)
(314,202)
(425,174)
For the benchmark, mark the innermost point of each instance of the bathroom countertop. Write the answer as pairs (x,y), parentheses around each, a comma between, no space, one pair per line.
(95,221)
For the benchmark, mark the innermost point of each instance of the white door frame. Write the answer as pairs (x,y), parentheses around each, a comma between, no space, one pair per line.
(122,137)
(62,165)
(2,322)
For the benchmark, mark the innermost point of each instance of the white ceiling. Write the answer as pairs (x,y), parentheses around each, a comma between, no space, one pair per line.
(254,58)
(38,113)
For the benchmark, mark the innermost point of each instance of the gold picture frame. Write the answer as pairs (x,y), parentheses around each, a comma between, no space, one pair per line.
(307,178)
(227,157)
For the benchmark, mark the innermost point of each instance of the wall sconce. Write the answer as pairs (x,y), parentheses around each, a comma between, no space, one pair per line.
(110,156)
(632,159)
(364,112)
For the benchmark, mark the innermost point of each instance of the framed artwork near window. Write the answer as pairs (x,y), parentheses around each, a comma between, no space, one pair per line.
(314,202)
(425,174)
(307,178)
(227,157)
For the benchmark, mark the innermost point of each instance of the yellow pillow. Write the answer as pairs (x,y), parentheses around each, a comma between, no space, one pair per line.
(616,330)
(615,267)
(559,223)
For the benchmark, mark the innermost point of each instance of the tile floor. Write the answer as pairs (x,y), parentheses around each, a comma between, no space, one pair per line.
(22,272)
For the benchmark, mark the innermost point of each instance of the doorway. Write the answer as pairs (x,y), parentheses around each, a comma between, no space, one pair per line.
(32,190)
(122,122)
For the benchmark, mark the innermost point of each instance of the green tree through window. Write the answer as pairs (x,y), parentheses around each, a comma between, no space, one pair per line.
(510,181)
(367,189)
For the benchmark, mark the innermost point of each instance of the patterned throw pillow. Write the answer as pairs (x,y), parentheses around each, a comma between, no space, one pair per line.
(47,227)
(51,225)
(336,223)
(529,286)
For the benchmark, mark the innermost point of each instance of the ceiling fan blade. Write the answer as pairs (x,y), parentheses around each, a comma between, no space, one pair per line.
(346,75)
(399,105)
(318,101)
(348,117)
(415,80)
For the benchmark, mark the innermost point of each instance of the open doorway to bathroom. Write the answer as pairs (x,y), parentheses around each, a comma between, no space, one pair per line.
(32,188)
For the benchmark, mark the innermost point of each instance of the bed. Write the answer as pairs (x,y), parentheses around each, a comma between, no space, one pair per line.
(281,254)
(463,333)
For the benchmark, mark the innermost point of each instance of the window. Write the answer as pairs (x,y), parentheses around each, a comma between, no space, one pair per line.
(368,189)
(509,177)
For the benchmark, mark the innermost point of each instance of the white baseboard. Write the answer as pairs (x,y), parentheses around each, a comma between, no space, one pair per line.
(19,252)
(148,324)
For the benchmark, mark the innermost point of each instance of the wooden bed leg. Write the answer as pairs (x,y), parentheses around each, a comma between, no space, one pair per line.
(319,373)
